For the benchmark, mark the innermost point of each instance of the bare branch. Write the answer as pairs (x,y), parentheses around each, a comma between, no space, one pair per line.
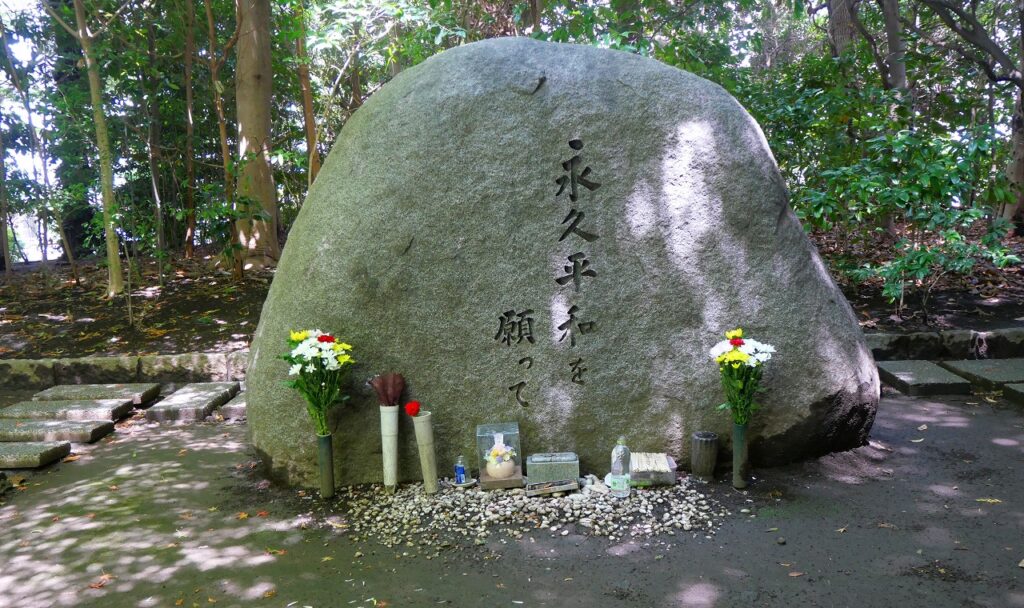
(234,37)
(880,63)
(973,32)
(56,17)
(987,66)
(106,24)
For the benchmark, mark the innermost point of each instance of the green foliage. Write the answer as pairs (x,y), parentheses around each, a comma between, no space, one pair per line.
(858,157)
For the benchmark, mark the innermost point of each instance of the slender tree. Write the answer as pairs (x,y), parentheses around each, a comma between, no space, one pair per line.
(1000,66)
(308,116)
(214,62)
(257,196)
(190,161)
(4,212)
(85,35)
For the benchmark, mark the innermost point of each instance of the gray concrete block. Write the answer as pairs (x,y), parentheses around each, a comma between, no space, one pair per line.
(26,373)
(237,362)
(189,367)
(138,393)
(1014,392)
(32,455)
(988,373)
(87,370)
(192,402)
(21,429)
(922,378)
(92,409)
(234,409)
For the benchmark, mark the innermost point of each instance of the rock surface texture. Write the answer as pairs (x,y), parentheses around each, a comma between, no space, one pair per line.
(556,235)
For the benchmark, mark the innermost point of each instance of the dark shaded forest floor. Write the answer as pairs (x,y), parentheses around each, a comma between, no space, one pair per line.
(200,308)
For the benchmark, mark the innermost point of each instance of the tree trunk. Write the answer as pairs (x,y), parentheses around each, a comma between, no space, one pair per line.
(115,283)
(841,29)
(895,59)
(190,164)
(4,220)
(308,117)
(1015,171)
(536,8)
(153,144)
(257,196)
(216,87)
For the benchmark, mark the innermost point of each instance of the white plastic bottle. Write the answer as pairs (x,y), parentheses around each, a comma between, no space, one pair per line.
(618,479)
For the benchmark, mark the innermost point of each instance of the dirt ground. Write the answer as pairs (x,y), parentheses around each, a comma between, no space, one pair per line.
(931,513)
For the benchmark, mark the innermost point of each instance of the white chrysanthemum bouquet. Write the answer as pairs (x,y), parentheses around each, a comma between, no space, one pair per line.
(318,363)
(739,362)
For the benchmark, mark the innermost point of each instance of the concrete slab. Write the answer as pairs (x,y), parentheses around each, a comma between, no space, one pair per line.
(922,378)
(91,409)
(20,429)
(138,393)
(234,409)
(989,373)
(1014,392)
(32,455)
(86,370)
(192,402)
(26,373)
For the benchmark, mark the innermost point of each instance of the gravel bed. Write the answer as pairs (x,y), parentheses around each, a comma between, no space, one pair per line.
(414,519)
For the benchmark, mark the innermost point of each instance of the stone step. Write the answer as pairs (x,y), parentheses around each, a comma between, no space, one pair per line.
(138,393)
(234,409)
(95,409)
(1014,392)
(988,373)
(19,429)
(192,402)
(32,455)
(922,378)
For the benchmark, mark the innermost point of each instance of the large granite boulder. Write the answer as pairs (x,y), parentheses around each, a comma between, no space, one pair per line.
(555,235)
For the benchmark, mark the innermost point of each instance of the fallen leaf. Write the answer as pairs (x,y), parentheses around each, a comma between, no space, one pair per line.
(71,457)
(326,558)
(787,565)
(242,515)
(916,440)
(1021,564)
(182,452)
(991,501)
(887,525)
(262,513)
(772,530)
(211,600)
(842,530)
(796,574)
(113,488)
(102,581)
(276,551)
(180,602)
(269,594)
(923,427)
(213,509)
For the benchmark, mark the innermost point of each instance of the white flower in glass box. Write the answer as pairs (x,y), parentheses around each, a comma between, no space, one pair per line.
(501,461)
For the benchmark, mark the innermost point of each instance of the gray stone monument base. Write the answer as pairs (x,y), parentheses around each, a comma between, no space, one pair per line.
(15,429)
(922,378)
(193,402)
(32,455)
(94,409)
(988,373)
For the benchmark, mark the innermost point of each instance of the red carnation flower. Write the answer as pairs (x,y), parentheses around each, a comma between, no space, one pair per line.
(737,342)
(412,408)
(325,338)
